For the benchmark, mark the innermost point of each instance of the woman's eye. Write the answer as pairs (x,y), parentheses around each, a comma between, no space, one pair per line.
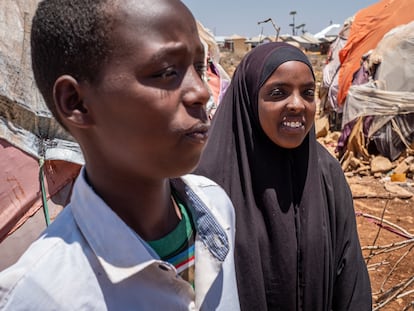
(276,92)
(310,93)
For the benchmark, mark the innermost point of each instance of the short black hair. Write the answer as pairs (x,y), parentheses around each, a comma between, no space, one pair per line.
(68,37)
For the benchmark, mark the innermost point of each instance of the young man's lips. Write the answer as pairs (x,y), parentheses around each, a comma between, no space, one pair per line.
(198,132)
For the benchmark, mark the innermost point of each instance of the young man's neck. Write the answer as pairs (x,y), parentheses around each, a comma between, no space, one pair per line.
(145,206)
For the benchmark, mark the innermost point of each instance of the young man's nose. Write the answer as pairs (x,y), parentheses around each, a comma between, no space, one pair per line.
(196,91)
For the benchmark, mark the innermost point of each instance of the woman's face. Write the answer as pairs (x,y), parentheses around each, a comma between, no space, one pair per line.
(286,104)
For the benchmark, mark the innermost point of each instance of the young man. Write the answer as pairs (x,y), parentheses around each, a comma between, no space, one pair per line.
(125,78)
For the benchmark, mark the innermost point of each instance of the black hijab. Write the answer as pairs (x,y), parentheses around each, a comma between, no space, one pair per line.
(284,245)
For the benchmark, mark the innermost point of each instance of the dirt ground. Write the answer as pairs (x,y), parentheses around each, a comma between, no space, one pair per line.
(384,212)
(385,220)
(386,231)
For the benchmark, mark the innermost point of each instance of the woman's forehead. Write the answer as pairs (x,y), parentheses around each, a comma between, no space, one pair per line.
(294,70)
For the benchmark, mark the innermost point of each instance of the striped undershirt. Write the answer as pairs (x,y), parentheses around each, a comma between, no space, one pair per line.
(177,247)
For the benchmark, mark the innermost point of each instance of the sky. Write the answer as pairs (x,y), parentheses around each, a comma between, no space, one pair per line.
(225,18)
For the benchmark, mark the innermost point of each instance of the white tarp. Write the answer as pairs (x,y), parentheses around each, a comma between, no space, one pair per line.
(366,100)
(395,54)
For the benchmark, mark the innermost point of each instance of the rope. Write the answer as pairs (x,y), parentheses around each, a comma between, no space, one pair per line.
(43,190)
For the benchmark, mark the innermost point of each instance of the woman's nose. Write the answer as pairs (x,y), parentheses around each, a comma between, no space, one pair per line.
(296,102)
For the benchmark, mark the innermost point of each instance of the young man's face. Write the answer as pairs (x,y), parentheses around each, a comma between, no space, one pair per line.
(286,104)
(149,106)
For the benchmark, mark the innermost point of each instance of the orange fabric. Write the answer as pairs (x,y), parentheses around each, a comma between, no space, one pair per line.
(20,194)
(368,28)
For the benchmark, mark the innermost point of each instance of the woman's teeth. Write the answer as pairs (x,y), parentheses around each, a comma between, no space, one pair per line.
(292,124)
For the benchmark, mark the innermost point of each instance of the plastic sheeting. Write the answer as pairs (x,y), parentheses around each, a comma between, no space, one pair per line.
(389,97)
(368,28)
(25,121)
(28,132)
(331,69)
(20,193)
(392,125)
(395,55)
(366,100)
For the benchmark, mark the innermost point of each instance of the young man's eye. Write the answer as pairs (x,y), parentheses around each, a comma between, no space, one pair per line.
(201,70)
(166,73)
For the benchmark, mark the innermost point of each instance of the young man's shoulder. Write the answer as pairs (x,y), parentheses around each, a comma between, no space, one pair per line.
(212,194)
(36,279)
(54,239)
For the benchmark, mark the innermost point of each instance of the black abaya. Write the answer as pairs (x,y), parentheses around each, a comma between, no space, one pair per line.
(297,246)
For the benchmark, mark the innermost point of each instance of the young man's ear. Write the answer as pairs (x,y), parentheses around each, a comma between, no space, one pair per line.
(69,102)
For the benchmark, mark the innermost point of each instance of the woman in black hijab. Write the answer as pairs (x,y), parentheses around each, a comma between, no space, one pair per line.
(297,246)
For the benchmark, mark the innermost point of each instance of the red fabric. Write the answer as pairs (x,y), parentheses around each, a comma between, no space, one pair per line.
(368,28)
(20,194)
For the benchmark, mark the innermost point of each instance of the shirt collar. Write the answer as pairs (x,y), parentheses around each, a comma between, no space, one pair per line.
(120,251)
(209,229)
(118,248)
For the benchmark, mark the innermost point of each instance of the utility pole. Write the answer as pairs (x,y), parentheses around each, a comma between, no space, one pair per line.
(293,13)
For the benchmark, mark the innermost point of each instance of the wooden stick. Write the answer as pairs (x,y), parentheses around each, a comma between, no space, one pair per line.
(395,266)
(378,232)
(403,231)
(398,291)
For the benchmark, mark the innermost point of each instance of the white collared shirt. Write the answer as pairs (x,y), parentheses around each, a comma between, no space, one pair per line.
(89,259)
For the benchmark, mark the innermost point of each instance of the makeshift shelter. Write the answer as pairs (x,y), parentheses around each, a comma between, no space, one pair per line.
(329,87)
(39,159)
(368,28)
(331,32)
(348,84)
(328,35)
(306,41)
(388,97)
(259,39)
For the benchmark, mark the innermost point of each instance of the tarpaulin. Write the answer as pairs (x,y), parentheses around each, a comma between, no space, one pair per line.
(28,133)
(20,193)
(368,28)
(25,121)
